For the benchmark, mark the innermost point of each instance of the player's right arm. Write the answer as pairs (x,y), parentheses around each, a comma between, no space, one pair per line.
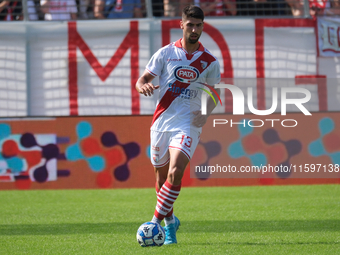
(144,85)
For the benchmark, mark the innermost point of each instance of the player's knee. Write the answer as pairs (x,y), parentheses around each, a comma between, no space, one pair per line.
(175,175)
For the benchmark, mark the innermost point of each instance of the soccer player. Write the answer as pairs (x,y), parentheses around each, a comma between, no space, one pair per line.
(184,68)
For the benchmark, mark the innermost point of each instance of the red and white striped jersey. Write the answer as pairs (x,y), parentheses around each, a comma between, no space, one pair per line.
(182,78)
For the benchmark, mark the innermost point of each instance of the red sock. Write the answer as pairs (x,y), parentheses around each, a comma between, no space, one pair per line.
(166,197)
(172,208)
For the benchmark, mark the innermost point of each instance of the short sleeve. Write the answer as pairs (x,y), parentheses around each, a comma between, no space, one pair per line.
(156,63)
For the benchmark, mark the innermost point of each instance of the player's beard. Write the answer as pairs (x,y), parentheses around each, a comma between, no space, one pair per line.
(193,41)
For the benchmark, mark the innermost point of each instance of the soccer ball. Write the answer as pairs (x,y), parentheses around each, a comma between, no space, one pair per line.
(150,234)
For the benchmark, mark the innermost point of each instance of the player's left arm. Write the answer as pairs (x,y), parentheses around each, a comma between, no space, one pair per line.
(214,77)
(199,120)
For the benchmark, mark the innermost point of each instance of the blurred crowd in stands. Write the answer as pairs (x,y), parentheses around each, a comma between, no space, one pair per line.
(117,9)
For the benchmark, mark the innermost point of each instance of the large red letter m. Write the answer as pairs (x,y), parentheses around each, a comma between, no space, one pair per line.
(75,40)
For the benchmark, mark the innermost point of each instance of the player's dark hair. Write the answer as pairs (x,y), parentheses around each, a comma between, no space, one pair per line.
(192,11)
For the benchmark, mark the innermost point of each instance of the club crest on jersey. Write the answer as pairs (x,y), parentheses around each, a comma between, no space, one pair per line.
(155,157)
(204,64)
(186,74)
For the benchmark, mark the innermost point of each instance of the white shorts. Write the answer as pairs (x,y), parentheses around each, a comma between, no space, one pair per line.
(161,142)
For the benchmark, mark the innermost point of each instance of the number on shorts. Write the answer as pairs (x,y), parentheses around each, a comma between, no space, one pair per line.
(187,140)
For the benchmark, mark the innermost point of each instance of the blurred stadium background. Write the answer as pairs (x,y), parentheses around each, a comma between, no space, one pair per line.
(74,133)
(71,118)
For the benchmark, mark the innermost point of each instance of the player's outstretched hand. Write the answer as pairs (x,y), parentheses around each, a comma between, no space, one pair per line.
(199,119)
(147,89)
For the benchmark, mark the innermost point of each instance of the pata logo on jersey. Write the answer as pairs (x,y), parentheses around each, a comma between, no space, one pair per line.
(189,75)
(186,74)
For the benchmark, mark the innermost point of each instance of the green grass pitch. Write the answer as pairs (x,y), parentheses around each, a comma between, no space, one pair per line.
(220,220)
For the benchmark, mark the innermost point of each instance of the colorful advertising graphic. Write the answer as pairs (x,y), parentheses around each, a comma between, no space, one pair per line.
(97,152)
(114,152)
(252,148)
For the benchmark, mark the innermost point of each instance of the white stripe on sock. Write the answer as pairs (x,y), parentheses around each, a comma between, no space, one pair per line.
(168,194)
(166,197)
(170,190)
(163,201)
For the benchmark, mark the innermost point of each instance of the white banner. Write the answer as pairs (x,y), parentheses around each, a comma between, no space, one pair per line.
(91,67)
